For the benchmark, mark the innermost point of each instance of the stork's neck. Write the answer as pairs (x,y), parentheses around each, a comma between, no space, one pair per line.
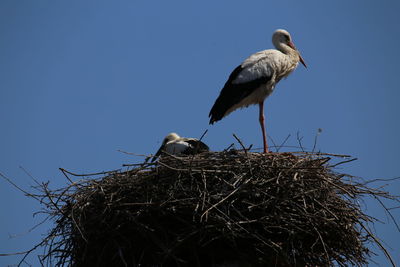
(292,54)
(284,48)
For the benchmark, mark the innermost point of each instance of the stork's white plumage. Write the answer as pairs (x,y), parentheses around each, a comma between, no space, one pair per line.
(175,145)
(254,80)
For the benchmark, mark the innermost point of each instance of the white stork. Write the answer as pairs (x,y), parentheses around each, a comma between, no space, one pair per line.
(254,80)
(176,145)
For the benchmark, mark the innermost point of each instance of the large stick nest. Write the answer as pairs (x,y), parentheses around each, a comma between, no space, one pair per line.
(231,207)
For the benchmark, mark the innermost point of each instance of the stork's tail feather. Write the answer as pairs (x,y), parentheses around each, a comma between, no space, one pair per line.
(212,119)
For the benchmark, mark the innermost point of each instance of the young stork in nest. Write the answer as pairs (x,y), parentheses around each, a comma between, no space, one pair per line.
(176,145)
(254,80)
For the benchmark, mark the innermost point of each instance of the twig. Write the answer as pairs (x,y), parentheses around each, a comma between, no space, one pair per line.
(131,154)
(387,210)
(316,138)
(283,143)
(19,188)
(89,174)
(388,256)
(240,142)
(202,136)
(65,174)
(27,173)
(272,140)
(230,146)
(382,180)
(342,162)
(299,139)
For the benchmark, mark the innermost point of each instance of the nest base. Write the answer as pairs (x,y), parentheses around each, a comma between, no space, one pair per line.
(228,208)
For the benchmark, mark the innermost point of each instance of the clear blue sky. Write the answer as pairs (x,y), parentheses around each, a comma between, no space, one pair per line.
(81,79)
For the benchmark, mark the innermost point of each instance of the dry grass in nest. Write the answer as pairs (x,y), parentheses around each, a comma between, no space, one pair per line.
(243,208)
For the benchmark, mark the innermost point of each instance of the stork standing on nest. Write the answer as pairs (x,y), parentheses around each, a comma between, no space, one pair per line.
(254,80)
(175,145)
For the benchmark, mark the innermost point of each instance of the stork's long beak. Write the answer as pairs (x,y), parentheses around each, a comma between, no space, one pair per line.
(291,44)
(302,61)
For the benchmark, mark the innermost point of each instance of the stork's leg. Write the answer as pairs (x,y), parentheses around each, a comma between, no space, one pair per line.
(262,124)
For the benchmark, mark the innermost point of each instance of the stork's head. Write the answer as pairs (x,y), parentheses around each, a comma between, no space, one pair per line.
(171,137)
(168,138)
(282,37)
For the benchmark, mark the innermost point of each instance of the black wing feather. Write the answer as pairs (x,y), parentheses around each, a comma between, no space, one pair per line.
(232,93)
(196,147)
